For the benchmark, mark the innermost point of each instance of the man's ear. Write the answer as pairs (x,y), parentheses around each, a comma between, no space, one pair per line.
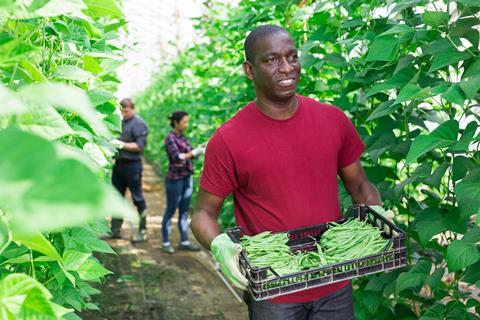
(248,69)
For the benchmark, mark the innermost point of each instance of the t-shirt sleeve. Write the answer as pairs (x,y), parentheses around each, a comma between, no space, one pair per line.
(352,145)
(218,175)
(140,133)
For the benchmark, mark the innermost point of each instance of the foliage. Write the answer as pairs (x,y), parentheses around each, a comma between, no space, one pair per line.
(406,72)
(57,67)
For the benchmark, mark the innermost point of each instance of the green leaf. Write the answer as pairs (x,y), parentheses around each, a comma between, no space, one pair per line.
(435,179)
(447,58)
(88,239)
(473,3)
(385,108)
(16,302)
(98,97)
(472,236)
(454,94)
(39,243)
(35,74)
(397,81)
(435,278)
(382,144)
(435,18)
(374,284)
(468,194)
(421,145)
(472,70)
(412,92)
(72,8)
(407,280)
(37,191)
(404,4)
(428,224)
(383,48)
(66,97)
(463,25)
(460,166)
(435,312)
(372,300)
(67,274)
(398,29)
(18,260)
(74,73)
(466,138)
(44,121)
(447,131)
(11,104)
(472,275)
(470,86)
(5,234)
(37,306)
(461,254)
(307,60)
(90,64)
(72,259)
(103,8)
(91,270)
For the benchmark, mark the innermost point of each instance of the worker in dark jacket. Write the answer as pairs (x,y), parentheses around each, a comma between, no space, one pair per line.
(127,171)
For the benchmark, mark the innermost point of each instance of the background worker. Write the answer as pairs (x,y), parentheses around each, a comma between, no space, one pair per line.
(280,156)
(179,181)
(127,170)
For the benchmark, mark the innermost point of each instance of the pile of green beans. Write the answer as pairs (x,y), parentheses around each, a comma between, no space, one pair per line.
(270,250)
(341,242)
(351,240)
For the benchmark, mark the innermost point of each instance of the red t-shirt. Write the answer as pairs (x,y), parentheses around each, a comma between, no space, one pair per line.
(283,173)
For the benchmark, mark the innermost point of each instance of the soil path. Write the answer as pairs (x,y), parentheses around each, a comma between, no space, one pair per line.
(148,284)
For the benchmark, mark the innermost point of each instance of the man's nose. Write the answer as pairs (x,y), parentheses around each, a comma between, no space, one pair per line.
(285,66)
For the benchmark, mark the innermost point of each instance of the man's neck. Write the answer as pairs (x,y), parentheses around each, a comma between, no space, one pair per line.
(278,110)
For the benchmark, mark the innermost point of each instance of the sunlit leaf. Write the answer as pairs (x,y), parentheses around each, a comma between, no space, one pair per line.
(461,254)
(383,48)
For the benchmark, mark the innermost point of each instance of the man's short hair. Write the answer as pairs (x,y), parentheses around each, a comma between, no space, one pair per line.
(256,35)
(127,102)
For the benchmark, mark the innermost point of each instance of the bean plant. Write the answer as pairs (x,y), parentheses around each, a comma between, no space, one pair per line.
(57,75)
(407,72)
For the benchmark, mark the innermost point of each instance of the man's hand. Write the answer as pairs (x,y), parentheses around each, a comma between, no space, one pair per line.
(226,252)
(118,144)
(198,151)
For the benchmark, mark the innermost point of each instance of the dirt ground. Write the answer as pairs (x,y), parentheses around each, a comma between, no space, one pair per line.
(148,284)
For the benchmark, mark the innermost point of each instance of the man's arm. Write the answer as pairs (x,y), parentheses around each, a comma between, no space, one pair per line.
(204,221)
(132,147)
(356,182)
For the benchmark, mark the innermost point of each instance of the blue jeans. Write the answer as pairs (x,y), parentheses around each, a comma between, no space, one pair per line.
(336,306)
(179,193)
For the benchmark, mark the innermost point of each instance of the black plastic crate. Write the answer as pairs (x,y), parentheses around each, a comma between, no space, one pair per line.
(262,286)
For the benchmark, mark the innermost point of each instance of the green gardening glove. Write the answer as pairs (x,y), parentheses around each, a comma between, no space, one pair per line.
(227,252)
(387,214)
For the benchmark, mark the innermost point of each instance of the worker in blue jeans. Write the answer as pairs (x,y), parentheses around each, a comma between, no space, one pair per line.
(179,181)
(127,171)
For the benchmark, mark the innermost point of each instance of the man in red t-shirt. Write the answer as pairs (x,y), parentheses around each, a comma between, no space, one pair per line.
(280,157)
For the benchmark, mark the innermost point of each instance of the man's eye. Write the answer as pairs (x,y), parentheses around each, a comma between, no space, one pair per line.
(272,60)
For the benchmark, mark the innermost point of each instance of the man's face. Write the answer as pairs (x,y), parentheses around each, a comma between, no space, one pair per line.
(276,68)
(127,112)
